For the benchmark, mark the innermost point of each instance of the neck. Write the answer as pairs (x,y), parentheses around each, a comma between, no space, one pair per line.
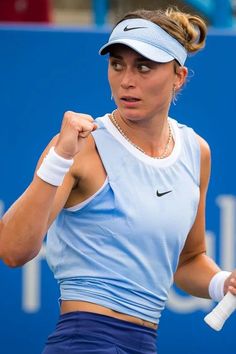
(152,137)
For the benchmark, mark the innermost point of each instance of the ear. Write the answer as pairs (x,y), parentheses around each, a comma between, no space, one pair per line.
(181,73)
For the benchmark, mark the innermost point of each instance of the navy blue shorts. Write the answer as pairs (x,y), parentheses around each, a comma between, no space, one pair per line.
(90,333)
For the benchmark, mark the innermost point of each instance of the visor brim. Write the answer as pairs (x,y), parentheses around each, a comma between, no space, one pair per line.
(146,50)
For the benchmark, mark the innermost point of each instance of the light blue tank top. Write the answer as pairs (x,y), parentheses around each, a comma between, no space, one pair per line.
(120,248)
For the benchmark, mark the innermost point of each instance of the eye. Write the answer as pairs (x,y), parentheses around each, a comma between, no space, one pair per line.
(143,68)
(117,66)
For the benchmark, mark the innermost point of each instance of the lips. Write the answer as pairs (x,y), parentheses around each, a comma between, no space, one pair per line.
(130,99)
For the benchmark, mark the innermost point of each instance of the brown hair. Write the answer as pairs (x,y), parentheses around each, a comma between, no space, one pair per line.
(189,30)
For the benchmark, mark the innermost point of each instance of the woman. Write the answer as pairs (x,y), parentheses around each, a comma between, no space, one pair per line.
(123,198)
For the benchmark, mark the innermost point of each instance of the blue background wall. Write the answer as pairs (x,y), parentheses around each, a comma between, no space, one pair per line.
(44,72)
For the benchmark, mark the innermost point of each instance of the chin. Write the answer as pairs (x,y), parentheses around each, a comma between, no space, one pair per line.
(130,114)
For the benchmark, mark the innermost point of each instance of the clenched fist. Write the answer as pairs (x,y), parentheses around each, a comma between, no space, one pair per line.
(75,128)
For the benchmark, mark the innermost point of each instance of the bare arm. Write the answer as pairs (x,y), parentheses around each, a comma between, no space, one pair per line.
(25,224)
(195,268)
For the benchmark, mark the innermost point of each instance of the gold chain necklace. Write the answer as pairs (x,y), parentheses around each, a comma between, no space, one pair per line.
(165,152)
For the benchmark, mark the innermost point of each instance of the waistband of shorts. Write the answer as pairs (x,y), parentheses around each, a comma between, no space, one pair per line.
(109,328)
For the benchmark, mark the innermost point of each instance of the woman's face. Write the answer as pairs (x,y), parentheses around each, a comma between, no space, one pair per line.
(142,88)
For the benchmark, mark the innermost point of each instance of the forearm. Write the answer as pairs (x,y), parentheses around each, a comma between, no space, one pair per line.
(25,224)
(194,276)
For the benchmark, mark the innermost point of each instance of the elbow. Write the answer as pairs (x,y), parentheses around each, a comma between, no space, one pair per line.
(15,252)
(14,259)
(11,263)
(6,254)
(7,259)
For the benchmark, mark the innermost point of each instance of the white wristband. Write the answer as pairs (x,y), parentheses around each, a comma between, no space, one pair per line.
(216,285)
(54,168)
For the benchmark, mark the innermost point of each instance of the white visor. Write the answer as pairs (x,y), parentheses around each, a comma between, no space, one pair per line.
(148,39)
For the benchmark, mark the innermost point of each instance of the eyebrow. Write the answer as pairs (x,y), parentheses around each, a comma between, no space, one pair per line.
(139,59)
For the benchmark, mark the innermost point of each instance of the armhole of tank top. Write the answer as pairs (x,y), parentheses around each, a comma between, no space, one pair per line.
(198,158)
(198,167)
(81,205)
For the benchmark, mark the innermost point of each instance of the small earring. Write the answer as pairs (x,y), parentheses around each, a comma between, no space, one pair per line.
(174,96)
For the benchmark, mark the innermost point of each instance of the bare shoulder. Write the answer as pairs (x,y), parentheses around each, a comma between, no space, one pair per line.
(204,147)
(88,172)
(205,162)
(86,157)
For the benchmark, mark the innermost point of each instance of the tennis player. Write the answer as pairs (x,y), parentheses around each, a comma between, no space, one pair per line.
(123,198)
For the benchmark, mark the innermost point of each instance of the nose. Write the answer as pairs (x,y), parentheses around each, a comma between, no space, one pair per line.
(128,79)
